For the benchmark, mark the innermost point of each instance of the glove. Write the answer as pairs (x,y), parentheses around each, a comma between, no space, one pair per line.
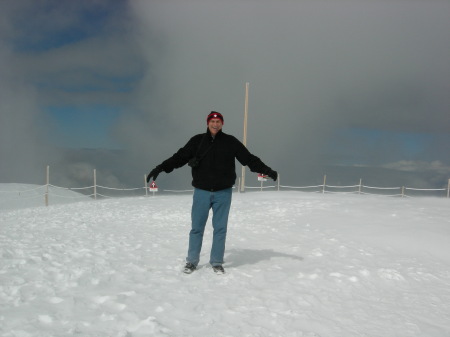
(154,173)
(273,175)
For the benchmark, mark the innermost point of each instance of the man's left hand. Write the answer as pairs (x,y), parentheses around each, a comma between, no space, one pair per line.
(273,175)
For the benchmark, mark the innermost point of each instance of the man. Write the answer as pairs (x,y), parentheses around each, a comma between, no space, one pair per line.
(212,158)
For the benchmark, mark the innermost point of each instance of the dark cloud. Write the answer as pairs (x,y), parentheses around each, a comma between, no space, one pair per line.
(314,67)
(23,137)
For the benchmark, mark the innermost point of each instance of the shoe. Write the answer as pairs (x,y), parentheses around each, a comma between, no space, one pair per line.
(189,268)
(219,270)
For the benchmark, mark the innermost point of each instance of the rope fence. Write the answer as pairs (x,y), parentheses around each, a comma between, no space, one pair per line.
(47,190)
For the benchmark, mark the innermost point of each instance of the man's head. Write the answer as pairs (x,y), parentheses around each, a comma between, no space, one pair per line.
(215,122)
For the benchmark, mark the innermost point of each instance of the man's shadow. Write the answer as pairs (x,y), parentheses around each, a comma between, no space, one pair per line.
(242,257)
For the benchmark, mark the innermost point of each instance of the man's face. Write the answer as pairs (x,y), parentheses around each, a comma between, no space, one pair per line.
(214,126)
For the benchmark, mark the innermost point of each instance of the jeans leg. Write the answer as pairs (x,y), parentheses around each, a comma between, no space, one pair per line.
(221,204)
(199,215)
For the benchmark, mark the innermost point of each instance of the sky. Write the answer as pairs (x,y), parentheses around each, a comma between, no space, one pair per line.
(351,89)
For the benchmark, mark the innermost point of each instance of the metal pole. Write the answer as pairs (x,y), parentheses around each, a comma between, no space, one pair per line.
(245,133)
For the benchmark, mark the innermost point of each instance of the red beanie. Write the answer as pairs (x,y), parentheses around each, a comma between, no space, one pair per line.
(214,114)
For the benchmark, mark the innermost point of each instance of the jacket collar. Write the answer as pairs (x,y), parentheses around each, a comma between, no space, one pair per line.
(218,134)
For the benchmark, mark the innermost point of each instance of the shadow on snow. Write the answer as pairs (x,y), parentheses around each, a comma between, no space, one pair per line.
(241,257)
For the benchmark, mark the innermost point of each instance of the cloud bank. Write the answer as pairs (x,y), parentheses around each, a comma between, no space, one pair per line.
(318,71)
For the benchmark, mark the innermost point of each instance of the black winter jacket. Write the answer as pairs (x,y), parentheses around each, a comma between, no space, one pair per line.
(216,169)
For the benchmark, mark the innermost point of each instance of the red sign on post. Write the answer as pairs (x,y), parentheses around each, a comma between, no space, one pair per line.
(153,187)
(262,177)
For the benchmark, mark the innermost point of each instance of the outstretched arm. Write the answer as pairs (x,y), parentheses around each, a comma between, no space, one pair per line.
(253,162)
(179,159)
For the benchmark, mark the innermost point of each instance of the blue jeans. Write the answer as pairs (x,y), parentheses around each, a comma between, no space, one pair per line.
(203,201)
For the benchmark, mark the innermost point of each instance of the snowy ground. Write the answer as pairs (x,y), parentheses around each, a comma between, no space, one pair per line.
(14,196)
(297,264)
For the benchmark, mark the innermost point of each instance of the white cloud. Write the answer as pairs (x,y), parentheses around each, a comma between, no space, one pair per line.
(419,166)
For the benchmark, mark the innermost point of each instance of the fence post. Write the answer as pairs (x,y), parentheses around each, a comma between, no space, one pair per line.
(324,183)
(279,183)
(145,185)
(403,191)
(448,189)
(95,184)
(48,182)
(360,185)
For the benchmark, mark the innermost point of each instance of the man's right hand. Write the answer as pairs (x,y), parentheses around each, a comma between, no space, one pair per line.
(154,173)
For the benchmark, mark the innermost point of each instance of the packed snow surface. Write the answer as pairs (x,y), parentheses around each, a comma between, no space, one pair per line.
(297,264)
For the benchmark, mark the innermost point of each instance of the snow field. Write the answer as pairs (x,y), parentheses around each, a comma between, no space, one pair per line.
(297,264)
